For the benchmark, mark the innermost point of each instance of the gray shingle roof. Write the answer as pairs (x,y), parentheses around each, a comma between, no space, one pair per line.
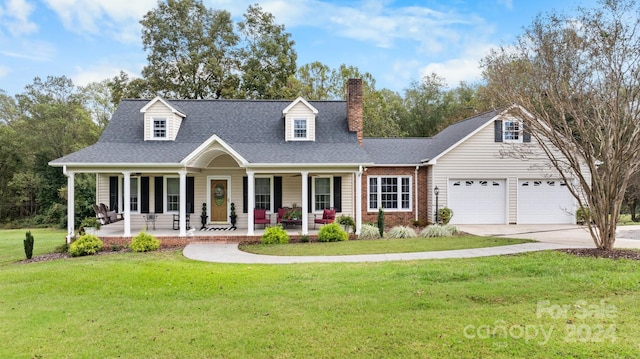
(418,150)
(255,129)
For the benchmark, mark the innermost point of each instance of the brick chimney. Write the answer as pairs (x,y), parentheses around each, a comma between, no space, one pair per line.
(354,107)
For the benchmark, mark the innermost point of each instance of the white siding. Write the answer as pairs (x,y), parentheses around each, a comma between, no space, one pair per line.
(158,109)
(300,110)
(480,157)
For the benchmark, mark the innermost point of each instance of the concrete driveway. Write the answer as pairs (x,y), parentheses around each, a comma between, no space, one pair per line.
(565,234)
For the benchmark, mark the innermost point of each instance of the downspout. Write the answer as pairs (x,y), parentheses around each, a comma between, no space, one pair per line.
(416,192)
(358,199)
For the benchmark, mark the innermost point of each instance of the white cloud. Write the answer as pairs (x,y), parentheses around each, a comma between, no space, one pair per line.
(464,68)
(15,17)
(118,18)
(507,3)
(97,73)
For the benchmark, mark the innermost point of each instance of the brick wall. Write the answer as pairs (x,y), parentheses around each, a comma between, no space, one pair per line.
(354,107)
(396,218)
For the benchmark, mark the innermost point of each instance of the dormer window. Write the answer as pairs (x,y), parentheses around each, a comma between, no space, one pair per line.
(300,121)
(300,128)
(159,127)
(512,131)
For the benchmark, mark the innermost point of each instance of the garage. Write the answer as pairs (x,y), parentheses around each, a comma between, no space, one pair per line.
(545,201)
(476,201)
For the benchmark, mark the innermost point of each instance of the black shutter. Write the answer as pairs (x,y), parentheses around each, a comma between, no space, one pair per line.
(337,194)
(309,191)
(144,195)
(245,194)
(113,193)
(190,194)
(526,135)
(498,130)
(159,194)
(277,193)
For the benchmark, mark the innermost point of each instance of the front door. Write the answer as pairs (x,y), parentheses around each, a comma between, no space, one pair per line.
(219,200)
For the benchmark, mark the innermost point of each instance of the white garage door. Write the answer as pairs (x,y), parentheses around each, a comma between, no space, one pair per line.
(545,201)
(477,201)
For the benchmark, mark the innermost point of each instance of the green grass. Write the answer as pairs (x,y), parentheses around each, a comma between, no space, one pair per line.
(380,246)
(161,305)
(12,248)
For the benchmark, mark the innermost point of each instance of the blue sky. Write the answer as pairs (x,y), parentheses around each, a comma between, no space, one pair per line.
(396,41)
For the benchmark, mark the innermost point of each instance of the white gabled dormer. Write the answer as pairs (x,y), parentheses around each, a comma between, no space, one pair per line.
(300,121)
(161,120)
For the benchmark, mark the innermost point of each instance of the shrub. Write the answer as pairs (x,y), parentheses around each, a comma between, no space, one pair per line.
(85,245)
(347,222)
(401,232)
(436,230)
(381,222)
(90,222)
(445,214)
(144,242)
(275,235)
(332,233)
(369,231)
(451,229)
(304,238)
(28,245)
(583,215)
(63,248)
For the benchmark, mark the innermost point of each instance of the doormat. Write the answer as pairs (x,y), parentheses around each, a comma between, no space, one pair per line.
(218,229)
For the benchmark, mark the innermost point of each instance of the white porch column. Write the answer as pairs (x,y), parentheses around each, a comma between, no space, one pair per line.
(183,203)
(251,201)
(305,203)
(71,201)
(358,176)
(127,203)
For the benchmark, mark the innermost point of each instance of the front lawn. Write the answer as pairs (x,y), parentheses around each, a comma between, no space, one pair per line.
(159,304)
(380,246)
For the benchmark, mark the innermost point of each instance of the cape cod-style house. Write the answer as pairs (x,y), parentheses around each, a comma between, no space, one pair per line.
(172,158)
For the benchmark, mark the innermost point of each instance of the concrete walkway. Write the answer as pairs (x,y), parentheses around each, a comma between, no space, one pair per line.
(549,237)
(229,253)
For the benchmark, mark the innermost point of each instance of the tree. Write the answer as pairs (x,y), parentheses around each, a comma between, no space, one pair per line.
(96,98)
(382,113)
(577,78)
(268,58)
(426,103)
(191,51)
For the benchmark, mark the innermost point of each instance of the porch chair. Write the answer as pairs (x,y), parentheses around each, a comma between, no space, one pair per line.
(150,218)
(260,216)
(328,216)
(102,218)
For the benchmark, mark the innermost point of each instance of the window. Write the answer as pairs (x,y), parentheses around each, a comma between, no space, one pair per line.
(392,193)
(134,194)
(512,131)
(322,193)
(159,127)
(299,128)
(173,194)
(263,193)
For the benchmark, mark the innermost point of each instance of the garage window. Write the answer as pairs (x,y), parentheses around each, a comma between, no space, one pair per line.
(390,193)
(512,131)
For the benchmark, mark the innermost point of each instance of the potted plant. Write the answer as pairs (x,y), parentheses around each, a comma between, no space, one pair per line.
(90,225)
(294,213)
(233,217)
(347,222)
(203,216)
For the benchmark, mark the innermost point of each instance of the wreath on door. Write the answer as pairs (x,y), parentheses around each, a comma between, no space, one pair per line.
(218,194)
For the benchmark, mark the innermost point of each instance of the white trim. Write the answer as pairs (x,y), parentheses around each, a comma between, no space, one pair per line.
(208,199)
(271,191)
(205,146)
(165,201)
(295,102)
(313,193)
(379,192)
(158,98)
(307,121)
